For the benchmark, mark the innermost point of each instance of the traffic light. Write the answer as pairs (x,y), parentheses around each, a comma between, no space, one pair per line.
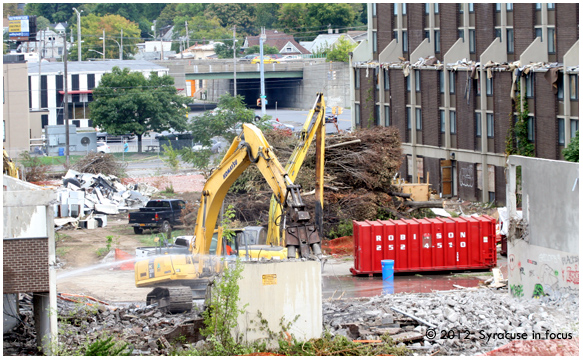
(334,110)
(258,102)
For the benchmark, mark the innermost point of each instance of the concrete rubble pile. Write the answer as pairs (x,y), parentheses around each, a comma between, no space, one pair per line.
(147,330)
(83,195)
(480,311)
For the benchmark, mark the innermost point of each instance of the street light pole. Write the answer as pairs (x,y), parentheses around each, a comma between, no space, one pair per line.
(262,38)
(78,33)
(121,46)
(65,104)
(103,44)
(234,63)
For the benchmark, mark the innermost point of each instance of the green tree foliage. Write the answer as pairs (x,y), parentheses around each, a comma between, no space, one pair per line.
(336,15)
(225,50)
(55,12)
(140,13)
(11,9)
(240,14)
(202,28)
(166,17)
(92,29)
(292,17)
(267,49)
(42,23)
(340,51)
(126,102)
(571,152)
(266,15)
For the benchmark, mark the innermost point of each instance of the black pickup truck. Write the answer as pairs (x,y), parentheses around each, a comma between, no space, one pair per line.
(158,214)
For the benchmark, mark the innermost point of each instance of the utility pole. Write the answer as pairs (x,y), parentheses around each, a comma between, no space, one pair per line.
(39,66)
(103,44)
(262,38)
(78,33)
(234,62)
(187,37)
(66,105)
(121,46)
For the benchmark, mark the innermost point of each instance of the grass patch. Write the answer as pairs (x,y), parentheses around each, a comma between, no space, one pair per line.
(62,251)
(148,239)
(60,237)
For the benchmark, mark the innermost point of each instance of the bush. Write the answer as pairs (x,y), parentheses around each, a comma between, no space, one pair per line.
(34,170)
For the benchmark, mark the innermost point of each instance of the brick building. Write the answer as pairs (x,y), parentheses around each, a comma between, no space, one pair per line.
(453,78)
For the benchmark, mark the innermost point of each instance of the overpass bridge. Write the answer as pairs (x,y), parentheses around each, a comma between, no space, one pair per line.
(292,84)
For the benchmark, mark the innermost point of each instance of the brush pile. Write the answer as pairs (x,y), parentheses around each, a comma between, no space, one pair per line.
(359,168)
(98,163)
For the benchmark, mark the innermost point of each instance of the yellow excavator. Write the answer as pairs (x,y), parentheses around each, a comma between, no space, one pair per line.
(313,127)
(180,278)
(9,167)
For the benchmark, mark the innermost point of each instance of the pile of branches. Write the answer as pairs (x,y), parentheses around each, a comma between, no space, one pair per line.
(358,172)
(98,163)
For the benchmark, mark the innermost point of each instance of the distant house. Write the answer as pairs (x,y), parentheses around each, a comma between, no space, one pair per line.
(357,35)
(325,41)
(283,42)
(199,51)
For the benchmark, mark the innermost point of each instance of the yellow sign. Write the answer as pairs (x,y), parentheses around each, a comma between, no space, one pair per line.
(269,279)
(14,26)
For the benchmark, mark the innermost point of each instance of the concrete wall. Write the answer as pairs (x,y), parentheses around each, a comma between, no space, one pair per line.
(281,290)
(15,109)
(544,260)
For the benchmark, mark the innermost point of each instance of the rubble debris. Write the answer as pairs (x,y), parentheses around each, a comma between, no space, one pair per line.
(83,196)
(483,309)
(98,163)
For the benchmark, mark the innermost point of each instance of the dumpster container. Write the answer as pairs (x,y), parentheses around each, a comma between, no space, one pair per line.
(425,244)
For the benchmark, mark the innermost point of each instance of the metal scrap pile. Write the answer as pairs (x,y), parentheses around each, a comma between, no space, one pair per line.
(359,168)
(85,194)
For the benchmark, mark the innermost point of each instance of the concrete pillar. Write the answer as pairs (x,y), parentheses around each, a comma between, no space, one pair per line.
(42,326)
(484,132)
(53,321)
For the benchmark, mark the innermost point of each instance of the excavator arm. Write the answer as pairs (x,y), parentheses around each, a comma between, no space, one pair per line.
(313,127)
(252,147)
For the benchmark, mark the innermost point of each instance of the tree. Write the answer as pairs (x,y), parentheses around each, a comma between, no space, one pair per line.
(225,50)
(340,50)
(571,152)
(292,17)
(231,113)
(266,15)
(267,49)
(42,23)
(333,14)
(55,12)
(140,13)
(126,102)
(92,27)
(241,15)
(11,10)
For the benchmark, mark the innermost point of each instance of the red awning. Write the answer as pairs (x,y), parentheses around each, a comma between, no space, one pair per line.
(75,92)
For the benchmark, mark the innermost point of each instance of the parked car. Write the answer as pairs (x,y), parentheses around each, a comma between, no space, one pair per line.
(290,58)
(103,136)
(103,148)
(266,60)
(157,214)
(248,58)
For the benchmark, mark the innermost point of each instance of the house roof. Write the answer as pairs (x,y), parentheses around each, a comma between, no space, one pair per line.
(277,39)
(323,41)
(74,67)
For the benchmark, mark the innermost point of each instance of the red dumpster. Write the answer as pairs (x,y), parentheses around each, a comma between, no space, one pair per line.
(425,244)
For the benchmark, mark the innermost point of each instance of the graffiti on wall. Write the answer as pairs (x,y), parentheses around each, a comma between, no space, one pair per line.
(467,176)
(516,290)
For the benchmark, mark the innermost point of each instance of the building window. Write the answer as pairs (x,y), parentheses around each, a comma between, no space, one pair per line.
(386,79)
(560,87)
(387,116)
(478,86)
(537,6)
(395,9)
(404,9)
(396,35)
(437,41)
(374,9)
(489,86)
(551,6)
(498,33)
(530,128)
(574,86)
(509,7)
(529,84)
(451,82)
(561,131)
(442,121)
(497,7)
(417,81)
(376,78)
(426,35)
(405,48)
(538,33)
(418,119)
(436,8)
(408,80)
(490,125)
(472,41)
(357,78)
(90,81)
(478,124)
(408,118)
(510,41)
(460,34)
(441,82)
(357,114)
(574,127)
(426,8)
(461,8)
(452,125)
(374,41)
(471,7)
(551,40)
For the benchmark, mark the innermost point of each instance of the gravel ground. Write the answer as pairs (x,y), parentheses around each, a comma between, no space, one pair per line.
(463,319)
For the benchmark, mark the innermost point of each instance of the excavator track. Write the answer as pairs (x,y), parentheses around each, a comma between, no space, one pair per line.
(172,299)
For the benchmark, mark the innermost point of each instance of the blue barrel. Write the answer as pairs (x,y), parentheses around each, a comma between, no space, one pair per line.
(388,270)
(61,151)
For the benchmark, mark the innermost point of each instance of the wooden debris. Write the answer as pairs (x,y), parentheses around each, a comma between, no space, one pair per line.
(407,336)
